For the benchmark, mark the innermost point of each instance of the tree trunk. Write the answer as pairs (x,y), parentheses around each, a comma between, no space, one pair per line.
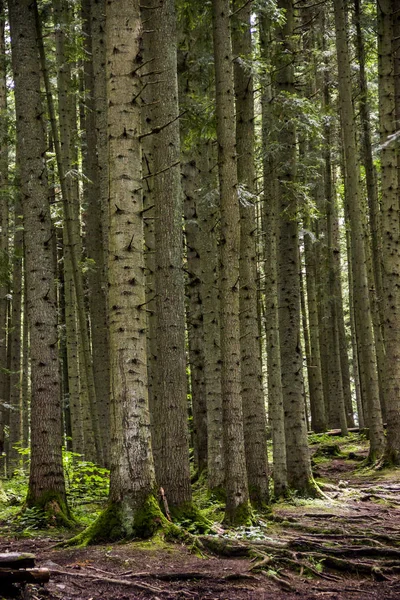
(194,312)
(275,398)
(208,215)
(362,309)
(297,454)
(132,510)
(15,433)
(390,229)
(4,277)
(374,226)
(65,150)
(254,417)
(170,417)
(46,481)
(237,494)
(95,244)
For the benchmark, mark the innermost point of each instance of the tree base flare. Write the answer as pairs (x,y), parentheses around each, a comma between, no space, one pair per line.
(119,521)
(242,514)
(52,510)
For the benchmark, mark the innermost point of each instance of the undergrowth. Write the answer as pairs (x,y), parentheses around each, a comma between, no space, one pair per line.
(87,492)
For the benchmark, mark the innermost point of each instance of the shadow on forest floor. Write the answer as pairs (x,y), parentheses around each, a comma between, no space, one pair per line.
(347,547)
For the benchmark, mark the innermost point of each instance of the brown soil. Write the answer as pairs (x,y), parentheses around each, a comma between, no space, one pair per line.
(347,547)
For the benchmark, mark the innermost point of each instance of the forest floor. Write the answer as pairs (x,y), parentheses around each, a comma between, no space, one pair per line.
(345,546)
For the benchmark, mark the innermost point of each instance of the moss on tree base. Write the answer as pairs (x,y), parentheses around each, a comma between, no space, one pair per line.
(119,521)
(191,518)
(240,515)
(53,508)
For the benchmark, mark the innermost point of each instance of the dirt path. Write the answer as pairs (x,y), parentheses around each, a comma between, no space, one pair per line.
(346,547)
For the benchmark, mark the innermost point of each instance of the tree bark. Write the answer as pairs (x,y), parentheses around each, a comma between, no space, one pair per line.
(390,229)
(4,225)
(170,416)
(95,242)
(254,417)
(362,308)
(237,494)
(194,313)
(270,216)
(297,454)
(46,480)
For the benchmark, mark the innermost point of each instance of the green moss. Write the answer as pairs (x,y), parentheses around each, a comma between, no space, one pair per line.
(117,522)
(191,518)
(53,509)
(240,515)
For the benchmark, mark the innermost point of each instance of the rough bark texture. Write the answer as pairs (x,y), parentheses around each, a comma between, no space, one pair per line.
(297,454)
(170,415)
(374,225)
(237,495)
(46,481)
(390,230)
(208,215)
(95,243)
(97,18)
(275,398)
(317,402)
(4,283)
(194,313)
(66,155)
(132,473)
(362,309)
(254,417)
(14,458)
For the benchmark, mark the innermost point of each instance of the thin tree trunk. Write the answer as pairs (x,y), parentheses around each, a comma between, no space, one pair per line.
(237,494)
(362,308)
(390,229)
(194,312)
(15,433)
(297,453)
(374,225)
(254,417)
(46,481)
(72,228)
(275,398)
(95,243)
(208,215)
(4,281)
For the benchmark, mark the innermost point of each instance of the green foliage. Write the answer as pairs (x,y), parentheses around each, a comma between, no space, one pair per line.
(86,483)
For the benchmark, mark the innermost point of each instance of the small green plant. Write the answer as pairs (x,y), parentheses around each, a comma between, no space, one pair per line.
(86,482)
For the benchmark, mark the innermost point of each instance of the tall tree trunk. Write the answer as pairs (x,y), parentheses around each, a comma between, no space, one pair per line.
(208,215)
(170,416)
(275,398)
(132,509)
(194,312)
(15,433)
(237,494)
(97,28)
(317,402)
(95,244)
(65,150)
(46,480)
(374,225)
(254,417)
(390,229)
(297,454)
(362,306)
(4,279)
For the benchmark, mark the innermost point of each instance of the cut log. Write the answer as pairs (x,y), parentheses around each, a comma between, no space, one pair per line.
(24,576)
(17,560)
